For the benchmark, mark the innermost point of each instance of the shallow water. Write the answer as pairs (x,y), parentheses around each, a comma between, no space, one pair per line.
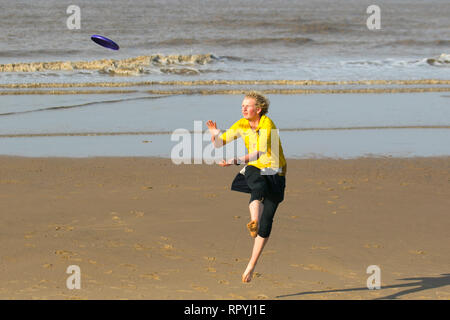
(320,125)
(343,144)
(138,113)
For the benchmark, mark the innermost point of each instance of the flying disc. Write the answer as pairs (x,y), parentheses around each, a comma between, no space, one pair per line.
(105,42)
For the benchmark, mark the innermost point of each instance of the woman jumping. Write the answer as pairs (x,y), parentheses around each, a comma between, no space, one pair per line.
(264,174)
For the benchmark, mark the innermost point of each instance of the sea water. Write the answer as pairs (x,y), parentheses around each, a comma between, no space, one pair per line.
(184,61)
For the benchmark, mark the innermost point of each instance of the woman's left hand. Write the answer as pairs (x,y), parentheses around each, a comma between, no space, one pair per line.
(224,163)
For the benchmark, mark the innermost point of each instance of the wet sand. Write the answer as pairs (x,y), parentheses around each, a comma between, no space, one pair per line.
(144,228)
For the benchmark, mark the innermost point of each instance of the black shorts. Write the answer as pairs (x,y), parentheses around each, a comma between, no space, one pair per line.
(267,188)
(260,186)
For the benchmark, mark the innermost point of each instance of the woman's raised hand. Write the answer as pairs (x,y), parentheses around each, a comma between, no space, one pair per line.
(212,126)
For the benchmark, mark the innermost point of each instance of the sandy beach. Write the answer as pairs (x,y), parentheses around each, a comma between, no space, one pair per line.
(144,228)
(359,91)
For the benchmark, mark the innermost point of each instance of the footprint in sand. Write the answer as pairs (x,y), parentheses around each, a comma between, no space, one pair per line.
(320,248)
(115,244)
(313,267)
(75,259)
(210,258)
(199,288)
(127,285)
(28,235)
(418,252)
(92,281)
(344,181)
(167,246)
(210,195)
(138,214)
(129,266)
(140,247)
(184,291)
(269,252)
(150,276)
(64,254)
(117,220)
(374,245)
(61,227)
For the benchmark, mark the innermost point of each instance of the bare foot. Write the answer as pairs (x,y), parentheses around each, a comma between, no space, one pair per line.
(252,226)
(248,274)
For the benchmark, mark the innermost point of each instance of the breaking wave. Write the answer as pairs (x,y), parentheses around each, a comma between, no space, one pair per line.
(225,83)
(180,64)
(442,60)
(194,91)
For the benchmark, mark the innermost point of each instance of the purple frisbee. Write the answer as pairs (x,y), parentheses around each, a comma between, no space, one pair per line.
(105,42)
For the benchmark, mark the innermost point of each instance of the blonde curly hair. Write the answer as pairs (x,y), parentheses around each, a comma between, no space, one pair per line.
(261,101)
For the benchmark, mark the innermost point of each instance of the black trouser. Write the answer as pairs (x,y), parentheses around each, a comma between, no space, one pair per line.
(270,190)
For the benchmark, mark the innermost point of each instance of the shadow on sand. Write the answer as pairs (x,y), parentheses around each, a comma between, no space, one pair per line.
(418,284)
